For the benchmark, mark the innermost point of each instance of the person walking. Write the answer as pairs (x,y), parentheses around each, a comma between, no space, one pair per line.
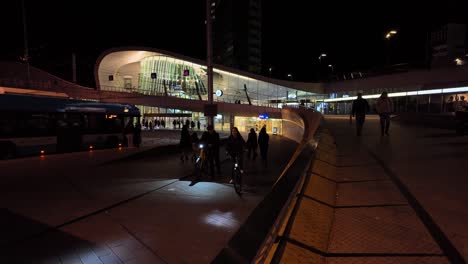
(252,144)
(195,140)
(192,125)
(359,111)
(137,135)
(211,139)
(384,107)
(198,124)
(263,141)
(185,144)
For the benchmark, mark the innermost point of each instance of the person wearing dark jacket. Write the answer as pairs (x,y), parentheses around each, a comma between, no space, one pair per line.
(252,144)
(195,141)
(137,135)
(185,143)
(359,110)
(211,139)
(235,146)
(263,140)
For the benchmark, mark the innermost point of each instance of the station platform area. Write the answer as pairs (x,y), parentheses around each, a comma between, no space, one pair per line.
(125,206)
(398,198)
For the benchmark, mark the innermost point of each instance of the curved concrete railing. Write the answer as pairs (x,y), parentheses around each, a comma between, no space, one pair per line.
(252,241)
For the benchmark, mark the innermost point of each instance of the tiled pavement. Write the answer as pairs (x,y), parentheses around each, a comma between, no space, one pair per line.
(78,208)
(353,211)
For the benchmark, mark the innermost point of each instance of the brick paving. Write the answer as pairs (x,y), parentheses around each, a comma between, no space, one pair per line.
(353,211)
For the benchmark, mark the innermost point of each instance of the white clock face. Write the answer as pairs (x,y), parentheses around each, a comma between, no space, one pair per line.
(219,93)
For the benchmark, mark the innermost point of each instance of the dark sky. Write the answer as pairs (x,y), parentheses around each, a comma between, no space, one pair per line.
(294,32)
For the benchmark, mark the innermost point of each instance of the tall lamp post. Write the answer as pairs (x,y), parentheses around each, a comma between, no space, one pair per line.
(269,70)
(320,64)
(26,48)
(389,36)
(332,71)
(210,9)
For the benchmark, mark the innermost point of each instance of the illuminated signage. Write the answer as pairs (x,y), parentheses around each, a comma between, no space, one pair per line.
(263,116)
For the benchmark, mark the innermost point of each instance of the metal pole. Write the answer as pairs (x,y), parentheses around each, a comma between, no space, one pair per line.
(209,59)
(74,67)
(26,48)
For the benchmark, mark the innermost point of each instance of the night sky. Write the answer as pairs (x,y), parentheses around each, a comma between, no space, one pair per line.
(295,33)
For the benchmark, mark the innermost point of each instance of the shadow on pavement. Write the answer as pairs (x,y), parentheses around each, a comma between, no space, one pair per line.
(24,240)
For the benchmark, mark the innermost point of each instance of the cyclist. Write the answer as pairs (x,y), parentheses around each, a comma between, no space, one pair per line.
(235,147)
(211,139)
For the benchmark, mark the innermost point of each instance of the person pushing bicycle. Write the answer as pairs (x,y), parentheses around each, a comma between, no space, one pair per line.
(211,139)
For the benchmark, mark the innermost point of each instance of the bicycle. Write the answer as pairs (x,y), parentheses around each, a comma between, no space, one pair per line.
(201,162)
(237,175)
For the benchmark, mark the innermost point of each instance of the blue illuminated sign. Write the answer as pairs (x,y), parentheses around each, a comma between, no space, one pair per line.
(263,116)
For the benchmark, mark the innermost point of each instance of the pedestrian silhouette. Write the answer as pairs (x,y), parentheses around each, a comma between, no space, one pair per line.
(359,111)
(263,141)
(384,107)
(252,144)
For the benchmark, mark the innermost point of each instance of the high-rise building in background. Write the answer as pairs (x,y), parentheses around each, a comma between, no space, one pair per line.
(237,34)
(448,45)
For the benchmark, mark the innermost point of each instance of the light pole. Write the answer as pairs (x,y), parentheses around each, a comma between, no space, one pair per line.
(388,36)
(209,54)
(269,70)
(290,76)
(320,64)
(331,66)
(26,48)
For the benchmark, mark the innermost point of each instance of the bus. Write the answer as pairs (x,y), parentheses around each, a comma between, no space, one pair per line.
(37,125)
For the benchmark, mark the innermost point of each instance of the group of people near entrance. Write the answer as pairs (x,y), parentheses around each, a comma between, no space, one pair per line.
(235,146)
(383,107)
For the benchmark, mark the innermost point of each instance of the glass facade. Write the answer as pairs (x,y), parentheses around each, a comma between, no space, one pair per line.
(162,75)
(244,124)
(153,73)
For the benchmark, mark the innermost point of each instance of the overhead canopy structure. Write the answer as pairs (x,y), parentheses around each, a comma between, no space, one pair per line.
(149,71)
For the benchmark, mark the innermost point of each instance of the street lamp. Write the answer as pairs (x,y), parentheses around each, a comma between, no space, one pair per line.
(322,55)
(210,8)
(290,76)
(390,34)
(330,66)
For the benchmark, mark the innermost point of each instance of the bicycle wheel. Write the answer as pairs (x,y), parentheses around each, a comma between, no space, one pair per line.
(237,178)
